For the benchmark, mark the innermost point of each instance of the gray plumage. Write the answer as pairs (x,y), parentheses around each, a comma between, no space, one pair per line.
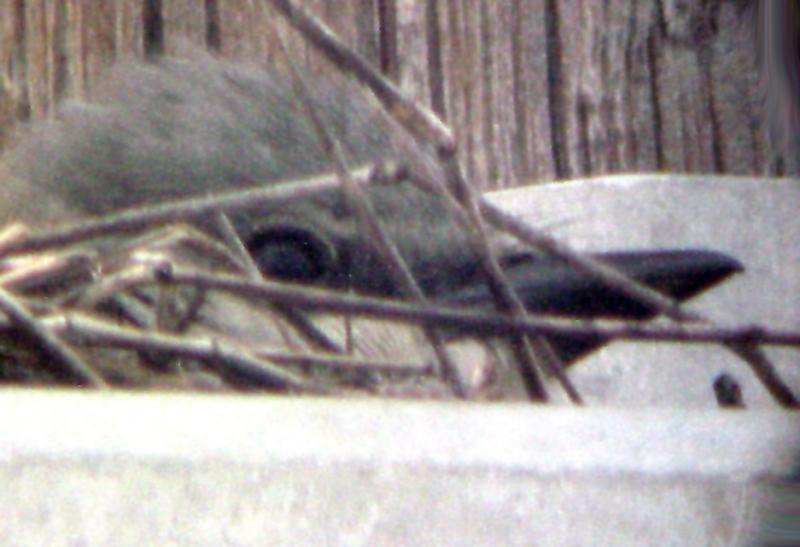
(178,128)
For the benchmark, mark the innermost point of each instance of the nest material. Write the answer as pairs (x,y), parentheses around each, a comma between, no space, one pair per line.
(134,329)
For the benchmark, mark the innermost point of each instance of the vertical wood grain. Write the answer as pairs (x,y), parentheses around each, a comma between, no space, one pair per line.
(534,89)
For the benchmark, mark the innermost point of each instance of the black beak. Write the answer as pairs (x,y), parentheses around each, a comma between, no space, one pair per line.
(549,286)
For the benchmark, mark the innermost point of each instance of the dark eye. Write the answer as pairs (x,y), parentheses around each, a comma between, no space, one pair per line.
(292,254)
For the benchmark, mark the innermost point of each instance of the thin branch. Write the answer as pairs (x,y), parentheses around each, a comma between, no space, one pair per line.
(217,354)
(167,213)
(406,111)
(744,347)
(764,369)
(307,329)
(58,355)
(88,330)
(365,213)
(466,321)
(32,272)
(425,125)
(345,363)
(603,273)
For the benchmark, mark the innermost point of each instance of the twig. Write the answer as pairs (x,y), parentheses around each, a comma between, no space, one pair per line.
(310,332)
(347,363)
(221,355)
(477,322)
(320,36)
(763,369)
(89,330)
(425,125)
(64,359)
(167,213)
(361,206)
(603,273)
(36,271)
(613,278)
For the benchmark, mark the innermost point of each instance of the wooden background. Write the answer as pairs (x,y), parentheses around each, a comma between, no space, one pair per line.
(536,90)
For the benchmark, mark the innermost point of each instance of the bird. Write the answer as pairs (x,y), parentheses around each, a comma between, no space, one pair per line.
(174,128)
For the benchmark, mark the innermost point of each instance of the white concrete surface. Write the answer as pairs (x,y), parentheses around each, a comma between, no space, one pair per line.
(157,469)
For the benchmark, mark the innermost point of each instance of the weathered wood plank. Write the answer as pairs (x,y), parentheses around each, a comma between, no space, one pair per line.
(36,44)
(92,29)
(128,38)
(184,24)
(737,98)
(534,89)
(531,131)
(13,99)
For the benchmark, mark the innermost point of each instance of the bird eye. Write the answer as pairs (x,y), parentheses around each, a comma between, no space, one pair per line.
(292,254)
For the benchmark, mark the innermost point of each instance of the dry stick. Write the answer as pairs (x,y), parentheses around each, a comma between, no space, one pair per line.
(608,275)
(130,277)
(360,203)
(423,123)
(47,270)
(345,363)
(229,236)
(471,321)
(12,233)
(404,110)
(128,307)
(764,370)
(92,331)
(157,246)
(310,332)
(315,299)
(214,352)
(143,217)
(232,239)
(423,171)
(64,360)
(613,278)
(528,350)
(171,237)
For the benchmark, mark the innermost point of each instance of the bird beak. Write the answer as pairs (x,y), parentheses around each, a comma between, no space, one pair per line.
(549,286)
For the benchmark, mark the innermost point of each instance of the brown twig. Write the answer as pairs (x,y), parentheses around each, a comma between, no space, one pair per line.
(37,271)
(88,330)
(221,355)
(613,278)
(346,363)
(425,125)
(57,355)
(466,321)
(365,213)
(167,213)
(307,329)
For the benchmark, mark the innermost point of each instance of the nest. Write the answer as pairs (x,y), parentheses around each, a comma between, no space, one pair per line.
(123,301)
